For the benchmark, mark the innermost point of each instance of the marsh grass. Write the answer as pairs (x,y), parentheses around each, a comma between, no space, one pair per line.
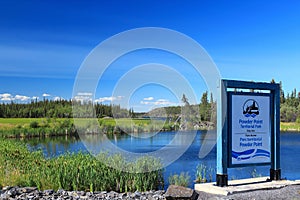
(204,174)
(19,166)
(182,179)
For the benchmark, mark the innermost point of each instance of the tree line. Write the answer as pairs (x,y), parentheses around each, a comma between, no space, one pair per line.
(206,109)
(290,106)
(60,109)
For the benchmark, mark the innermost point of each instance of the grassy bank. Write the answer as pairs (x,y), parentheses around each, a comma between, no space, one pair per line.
(35,127)
(19,166)
(43,127)
(290,126)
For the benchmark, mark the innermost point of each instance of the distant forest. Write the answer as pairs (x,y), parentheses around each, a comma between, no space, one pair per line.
(56,109)
(63,109)
(289,109)
(290,106)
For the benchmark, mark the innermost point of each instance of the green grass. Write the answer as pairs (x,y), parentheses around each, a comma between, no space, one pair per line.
(16,121)
(103,121)
(289,126)
(19,166)
(35,127)
(119,126)
(204,174)
(9,123)
(183,179)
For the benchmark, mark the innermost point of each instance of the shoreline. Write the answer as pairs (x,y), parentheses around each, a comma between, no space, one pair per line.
(22,127)
(41,134)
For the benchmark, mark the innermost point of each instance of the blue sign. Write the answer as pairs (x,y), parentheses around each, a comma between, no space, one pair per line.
(250,131)
(248,127)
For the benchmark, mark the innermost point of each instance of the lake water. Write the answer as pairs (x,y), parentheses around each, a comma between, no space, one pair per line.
(290,152)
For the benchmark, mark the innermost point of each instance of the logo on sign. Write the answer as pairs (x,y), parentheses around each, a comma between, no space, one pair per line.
(250,108)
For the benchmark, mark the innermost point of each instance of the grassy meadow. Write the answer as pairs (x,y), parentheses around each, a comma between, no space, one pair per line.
(35,127)
(43,127)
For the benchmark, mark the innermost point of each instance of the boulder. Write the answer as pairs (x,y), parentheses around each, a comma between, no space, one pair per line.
(179,192)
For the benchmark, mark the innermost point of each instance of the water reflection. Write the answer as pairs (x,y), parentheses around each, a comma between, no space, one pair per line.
(54,146)
(166,146)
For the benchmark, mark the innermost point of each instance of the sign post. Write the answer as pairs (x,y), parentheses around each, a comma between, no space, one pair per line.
(248,128)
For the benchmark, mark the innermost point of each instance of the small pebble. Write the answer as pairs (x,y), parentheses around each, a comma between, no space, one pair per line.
(31,193)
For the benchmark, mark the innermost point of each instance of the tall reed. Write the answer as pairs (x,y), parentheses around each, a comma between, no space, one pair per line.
(19,166)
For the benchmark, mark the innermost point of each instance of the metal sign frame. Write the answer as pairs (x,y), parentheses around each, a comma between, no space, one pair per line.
(223,126)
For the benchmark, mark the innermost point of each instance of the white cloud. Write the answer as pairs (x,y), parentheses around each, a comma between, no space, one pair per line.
(10,97)
(18,97)
(83,96)
(58,98)
(148,98)
(146,102)
(84,93)
(103,99)
(46,95)
(21,97)
(6,97)
(162,102)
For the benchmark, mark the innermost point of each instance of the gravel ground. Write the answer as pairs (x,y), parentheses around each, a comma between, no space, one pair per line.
(31,193)
(287,193)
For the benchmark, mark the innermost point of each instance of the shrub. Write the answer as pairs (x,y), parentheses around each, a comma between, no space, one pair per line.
(34,124)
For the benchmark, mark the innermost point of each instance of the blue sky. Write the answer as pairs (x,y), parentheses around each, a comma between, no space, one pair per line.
(43,43)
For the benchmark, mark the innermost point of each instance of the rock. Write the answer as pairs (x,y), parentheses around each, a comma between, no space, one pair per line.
(48,192)
(32,193)
(7,188)
(30,196)
(60,191)
(112,194)
(122,195)
(179,192)
(81,193)
(156,197)
(4,196)
(137,194)
(12,192)
(30,189)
